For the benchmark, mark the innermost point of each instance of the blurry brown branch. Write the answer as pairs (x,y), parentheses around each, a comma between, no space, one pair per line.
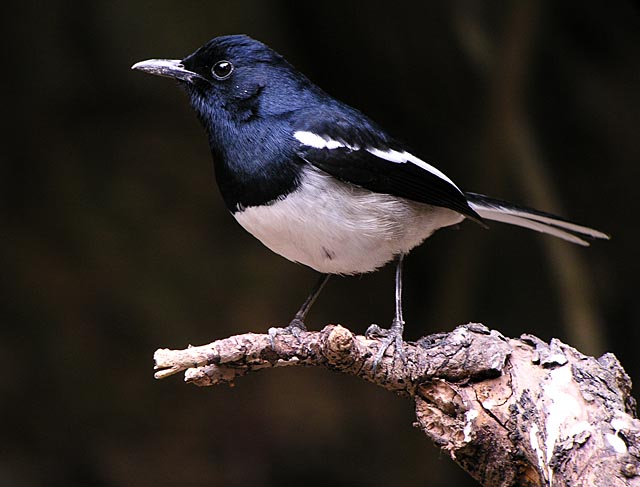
(507,60)
(509,411)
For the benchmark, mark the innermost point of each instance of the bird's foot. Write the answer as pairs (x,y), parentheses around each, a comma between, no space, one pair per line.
(295,327)
(392,336)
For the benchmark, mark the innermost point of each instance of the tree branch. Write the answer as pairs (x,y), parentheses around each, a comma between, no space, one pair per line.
(509,411)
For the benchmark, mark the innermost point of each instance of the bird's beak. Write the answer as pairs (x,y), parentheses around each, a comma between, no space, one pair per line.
(170,68)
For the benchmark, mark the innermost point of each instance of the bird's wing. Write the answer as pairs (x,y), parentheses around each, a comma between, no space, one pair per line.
(375,164)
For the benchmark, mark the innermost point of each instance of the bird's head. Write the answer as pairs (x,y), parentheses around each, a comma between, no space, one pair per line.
(235,78)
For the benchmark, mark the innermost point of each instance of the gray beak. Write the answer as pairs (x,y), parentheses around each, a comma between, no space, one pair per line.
(170,68)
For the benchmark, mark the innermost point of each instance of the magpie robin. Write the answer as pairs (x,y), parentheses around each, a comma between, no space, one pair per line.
(317,181)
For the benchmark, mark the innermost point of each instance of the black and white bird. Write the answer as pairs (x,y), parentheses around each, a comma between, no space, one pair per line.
(317,181)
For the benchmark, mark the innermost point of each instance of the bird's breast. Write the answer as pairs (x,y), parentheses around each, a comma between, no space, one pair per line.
(337,228)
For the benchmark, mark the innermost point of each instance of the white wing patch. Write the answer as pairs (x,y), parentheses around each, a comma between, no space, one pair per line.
(318,142)
(403,157)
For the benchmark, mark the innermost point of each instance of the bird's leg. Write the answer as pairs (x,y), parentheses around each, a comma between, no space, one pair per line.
(394,334)
(298,319)
(297,323)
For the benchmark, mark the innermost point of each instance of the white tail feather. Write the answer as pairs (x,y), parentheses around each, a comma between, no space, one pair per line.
(501,211)
(533,225)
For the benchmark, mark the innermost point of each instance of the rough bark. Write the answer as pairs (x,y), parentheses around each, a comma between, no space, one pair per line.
(511,412)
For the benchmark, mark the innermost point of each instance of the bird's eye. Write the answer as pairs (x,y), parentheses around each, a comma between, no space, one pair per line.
(222,69)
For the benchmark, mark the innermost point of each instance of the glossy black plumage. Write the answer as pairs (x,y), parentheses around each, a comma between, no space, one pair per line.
(268,99)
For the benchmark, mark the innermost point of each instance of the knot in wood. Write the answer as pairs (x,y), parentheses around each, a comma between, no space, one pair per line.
(629,470)
(339,344)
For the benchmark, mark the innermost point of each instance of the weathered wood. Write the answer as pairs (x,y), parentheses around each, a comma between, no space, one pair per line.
(511,412)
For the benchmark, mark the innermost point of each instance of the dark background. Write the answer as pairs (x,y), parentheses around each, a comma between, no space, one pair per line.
(114,240)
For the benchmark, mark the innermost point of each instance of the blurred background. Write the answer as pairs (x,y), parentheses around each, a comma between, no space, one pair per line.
(114,239)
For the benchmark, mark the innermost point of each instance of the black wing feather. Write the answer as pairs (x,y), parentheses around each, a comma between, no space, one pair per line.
(406,180)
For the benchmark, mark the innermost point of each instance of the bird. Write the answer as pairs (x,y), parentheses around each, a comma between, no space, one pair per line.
(319,182)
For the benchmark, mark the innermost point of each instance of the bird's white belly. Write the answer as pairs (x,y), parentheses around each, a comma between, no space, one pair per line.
(337,228)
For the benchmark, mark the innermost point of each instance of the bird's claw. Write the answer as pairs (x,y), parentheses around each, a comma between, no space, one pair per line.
(392,336)
(295,327)
(374,331)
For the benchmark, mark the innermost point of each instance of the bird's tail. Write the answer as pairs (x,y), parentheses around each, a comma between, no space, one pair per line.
(503,211)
